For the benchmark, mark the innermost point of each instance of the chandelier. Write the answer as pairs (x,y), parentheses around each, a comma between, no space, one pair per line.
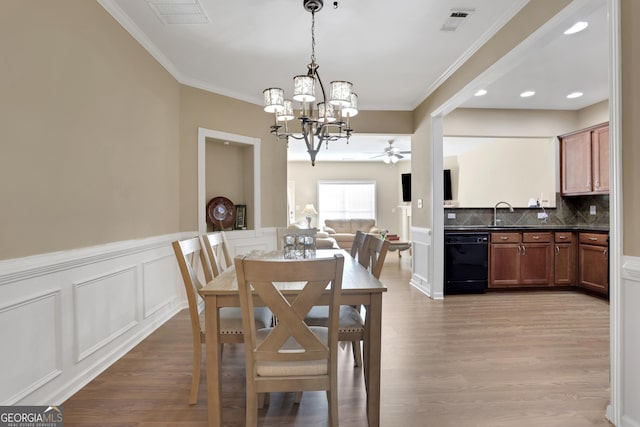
(329,120)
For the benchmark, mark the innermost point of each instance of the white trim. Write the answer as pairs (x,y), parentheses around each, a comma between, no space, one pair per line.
(123,19)
(17,269)
(203,134)
(515,7)
(614,409)
(437,193)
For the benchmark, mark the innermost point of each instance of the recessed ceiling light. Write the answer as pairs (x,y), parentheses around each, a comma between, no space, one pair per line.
(577,27)
(480,92)
(527,94)
(573,95)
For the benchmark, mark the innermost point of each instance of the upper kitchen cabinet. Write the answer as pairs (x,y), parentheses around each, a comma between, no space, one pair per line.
(585,161)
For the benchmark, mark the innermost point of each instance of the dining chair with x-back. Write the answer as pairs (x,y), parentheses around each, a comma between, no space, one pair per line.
(291,356)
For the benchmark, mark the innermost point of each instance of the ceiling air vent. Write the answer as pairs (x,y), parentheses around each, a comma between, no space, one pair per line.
(179,11)
(456,18)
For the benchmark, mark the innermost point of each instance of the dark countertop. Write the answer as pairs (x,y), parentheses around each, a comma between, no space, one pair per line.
(541,227)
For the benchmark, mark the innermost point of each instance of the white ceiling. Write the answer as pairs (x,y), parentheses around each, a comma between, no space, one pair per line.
(394,52)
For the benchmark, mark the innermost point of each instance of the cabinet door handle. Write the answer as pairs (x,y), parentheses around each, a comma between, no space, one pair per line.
(523,250)
(557,250)
(536,237)
(593,239)
(604,253)
(562,237)
(504,238)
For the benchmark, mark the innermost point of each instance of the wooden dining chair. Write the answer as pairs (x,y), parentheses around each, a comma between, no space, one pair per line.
(291,356)
(217,251)
(358,248)
(191,260)
(371,255)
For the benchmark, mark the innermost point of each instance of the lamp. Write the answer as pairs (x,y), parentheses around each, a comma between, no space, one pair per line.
(330,121)
(309,210)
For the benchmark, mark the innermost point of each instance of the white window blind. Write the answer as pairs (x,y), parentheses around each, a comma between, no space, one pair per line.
(346,200)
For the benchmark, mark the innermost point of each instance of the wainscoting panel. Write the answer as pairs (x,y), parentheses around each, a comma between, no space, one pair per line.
(421,260)
(244,241)
(630,341)
(67,316)
(157,290)
(31,350)
(105,308)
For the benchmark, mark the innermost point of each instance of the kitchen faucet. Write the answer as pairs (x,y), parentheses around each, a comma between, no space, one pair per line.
(495,211)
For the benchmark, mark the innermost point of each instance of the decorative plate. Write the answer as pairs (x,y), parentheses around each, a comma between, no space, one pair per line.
(221,213)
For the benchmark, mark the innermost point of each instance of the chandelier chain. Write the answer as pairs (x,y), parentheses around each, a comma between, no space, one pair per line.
(313,37)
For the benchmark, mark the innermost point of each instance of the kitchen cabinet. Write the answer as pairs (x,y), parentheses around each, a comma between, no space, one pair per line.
(565,258)
(584,160)
(594,262)
(520,259)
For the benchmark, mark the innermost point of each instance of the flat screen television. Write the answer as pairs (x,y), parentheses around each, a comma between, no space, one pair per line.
(447,185)
(406,187)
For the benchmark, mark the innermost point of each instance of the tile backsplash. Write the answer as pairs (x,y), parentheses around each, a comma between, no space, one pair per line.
(574,210)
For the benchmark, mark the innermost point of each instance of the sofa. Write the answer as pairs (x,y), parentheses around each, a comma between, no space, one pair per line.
(323,241)
(344,230)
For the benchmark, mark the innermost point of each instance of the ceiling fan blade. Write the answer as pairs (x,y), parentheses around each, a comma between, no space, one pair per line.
(399,156)
(379,155)
(404,152)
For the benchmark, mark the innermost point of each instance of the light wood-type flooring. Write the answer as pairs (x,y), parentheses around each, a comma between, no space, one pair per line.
(537,359)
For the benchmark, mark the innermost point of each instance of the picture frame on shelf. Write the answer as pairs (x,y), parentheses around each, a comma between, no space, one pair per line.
(241,217)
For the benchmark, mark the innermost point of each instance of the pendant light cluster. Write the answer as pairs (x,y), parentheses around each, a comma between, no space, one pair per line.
(329,120)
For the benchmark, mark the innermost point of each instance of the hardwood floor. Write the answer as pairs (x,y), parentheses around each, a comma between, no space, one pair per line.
(493,360)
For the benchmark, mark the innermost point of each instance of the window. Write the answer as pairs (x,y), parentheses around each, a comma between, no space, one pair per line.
(346,199)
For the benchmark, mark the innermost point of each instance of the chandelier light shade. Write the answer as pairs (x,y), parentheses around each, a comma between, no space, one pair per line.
(273,100)
(351,109)
(329,121)
(304,88)
(341,94)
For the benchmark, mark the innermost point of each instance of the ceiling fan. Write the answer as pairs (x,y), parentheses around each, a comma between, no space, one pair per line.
(391,154)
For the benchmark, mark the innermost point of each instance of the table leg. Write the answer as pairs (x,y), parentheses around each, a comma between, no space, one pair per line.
(212,362)
(372,356)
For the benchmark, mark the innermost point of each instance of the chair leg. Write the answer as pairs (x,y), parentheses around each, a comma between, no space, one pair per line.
(195,374)
(297,397)
(332,398)
(357,353)
(251,412)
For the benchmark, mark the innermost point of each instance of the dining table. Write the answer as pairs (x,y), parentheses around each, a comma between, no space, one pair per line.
(359,287)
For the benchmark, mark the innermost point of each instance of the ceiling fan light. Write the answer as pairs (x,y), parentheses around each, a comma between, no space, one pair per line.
(286,114)
(340,94)
(304,88)
(351,110)
(394,159)
(273,99)
(386,159)
(326,113)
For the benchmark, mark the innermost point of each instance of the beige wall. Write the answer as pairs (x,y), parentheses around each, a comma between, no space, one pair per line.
(199,108)
(506,169)
(630,15)
(593,115)
(529,19)
(388,186)
(88,130)
(509,123)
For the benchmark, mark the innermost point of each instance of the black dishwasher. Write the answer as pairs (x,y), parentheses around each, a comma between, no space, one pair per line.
(466,262)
